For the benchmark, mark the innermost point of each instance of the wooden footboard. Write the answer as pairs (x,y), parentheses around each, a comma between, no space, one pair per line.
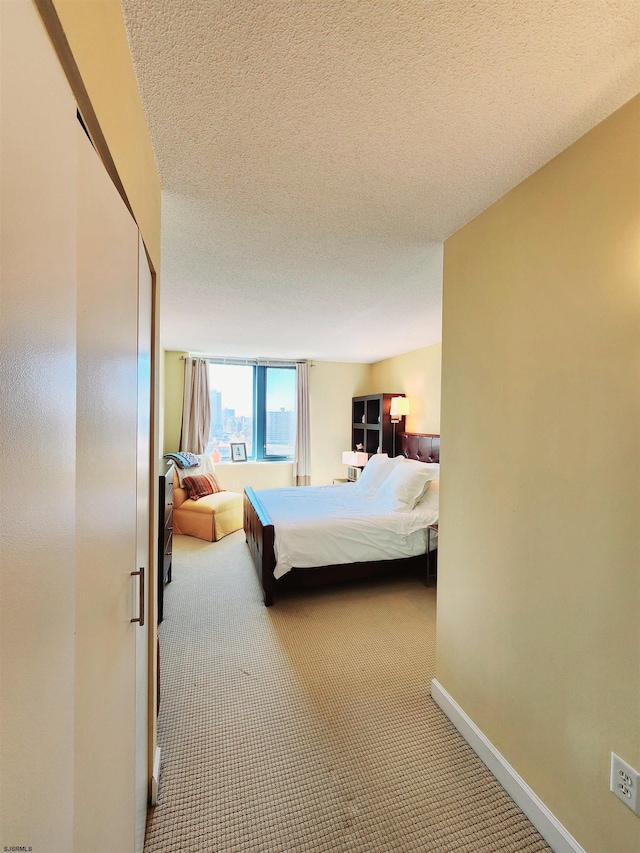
(259,533)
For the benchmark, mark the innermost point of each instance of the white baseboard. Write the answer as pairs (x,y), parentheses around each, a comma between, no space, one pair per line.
(155,778)
(544,821)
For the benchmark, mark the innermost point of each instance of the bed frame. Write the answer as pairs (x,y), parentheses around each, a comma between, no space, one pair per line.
(260,535)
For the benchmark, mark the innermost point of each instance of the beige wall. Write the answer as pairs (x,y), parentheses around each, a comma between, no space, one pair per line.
(539,581)
(417,375)
(98,40)
(235,476)
(160,396)
(172,399)
(332,385)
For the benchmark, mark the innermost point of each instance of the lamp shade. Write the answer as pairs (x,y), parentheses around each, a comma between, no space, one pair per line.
(399,406)
(354,458)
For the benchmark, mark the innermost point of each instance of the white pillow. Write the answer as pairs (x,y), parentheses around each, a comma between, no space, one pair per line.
(428,504)
(206,466)
(375,472)
(406,484)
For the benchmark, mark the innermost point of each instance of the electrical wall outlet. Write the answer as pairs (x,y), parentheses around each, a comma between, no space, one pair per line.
(625,782)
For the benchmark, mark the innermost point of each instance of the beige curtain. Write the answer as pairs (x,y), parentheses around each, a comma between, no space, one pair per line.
(196,410)
(302,460)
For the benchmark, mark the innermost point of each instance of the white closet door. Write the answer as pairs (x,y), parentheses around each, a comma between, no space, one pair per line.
(69,434)
(37,436)
(106,525)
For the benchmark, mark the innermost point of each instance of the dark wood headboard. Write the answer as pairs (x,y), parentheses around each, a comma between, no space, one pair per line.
(419,445)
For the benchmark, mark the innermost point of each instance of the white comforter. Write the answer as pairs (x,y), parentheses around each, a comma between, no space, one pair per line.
(329,525)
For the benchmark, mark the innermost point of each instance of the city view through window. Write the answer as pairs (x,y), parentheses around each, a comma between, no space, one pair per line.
(254,405)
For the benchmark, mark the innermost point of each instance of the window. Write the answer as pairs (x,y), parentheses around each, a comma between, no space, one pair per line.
(254,404)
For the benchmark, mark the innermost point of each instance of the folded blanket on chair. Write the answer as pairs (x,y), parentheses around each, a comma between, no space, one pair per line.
(184,459)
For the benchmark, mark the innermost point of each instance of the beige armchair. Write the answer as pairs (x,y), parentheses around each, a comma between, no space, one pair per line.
(210,518)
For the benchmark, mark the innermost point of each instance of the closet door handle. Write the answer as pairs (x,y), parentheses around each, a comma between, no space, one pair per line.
(140,573)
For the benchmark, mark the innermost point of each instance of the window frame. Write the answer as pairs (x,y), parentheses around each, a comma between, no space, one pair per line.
(260,408)
(259,436)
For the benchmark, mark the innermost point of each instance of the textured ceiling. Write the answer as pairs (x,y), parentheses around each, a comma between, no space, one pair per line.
(315,153)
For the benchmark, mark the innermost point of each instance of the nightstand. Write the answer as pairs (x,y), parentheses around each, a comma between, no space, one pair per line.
(432,560)
(336,481)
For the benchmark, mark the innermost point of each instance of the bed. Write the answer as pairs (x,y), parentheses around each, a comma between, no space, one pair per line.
(282,572)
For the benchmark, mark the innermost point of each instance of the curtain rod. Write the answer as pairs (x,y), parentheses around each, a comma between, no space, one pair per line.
(245,361)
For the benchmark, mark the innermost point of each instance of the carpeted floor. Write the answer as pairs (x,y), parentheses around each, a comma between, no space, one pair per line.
(308,727)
